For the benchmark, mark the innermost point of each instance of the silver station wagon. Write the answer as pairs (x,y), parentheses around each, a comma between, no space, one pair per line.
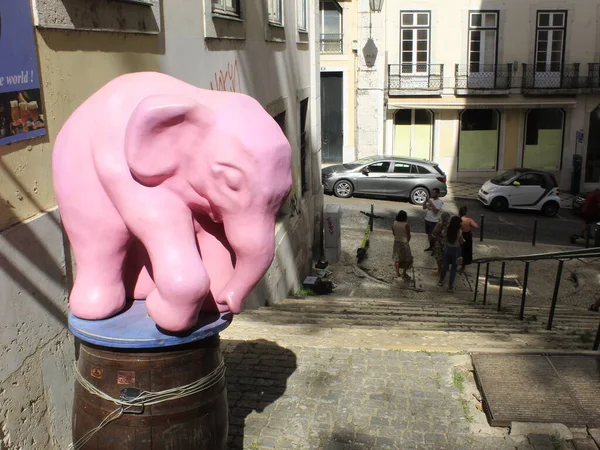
(391,176)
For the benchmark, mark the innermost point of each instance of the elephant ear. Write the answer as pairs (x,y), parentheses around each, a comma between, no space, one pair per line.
(161,130)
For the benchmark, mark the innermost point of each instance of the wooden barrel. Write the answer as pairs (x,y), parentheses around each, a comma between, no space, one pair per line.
(128,354)
(195,422)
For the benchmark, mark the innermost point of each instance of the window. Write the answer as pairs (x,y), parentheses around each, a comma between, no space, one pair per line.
(483,35)
(550,40)
(413,133)
(303,15)
(331,27)
(303,164)
(478,140)
(275,12)
(231,7)
(532,179)
(401,168)
(414,42)
(280,119)
(543,138)
(380,167)
(423,171)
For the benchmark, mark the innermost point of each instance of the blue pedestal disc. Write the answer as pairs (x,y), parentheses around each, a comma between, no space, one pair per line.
(133,328)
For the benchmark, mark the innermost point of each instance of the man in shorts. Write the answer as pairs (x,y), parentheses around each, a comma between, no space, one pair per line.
(590,211)
(433,206)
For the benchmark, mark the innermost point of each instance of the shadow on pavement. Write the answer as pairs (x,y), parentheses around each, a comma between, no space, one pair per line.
(257,376)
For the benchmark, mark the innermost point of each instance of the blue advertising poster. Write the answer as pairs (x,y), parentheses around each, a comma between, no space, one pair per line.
(21,114)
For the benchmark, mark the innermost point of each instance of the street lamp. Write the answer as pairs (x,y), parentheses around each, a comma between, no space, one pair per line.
(370,49)
(376,5)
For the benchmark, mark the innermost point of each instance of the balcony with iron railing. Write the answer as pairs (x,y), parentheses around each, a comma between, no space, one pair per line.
(415,79)
(483,79)
(593,78)
(552,79)
(332,44)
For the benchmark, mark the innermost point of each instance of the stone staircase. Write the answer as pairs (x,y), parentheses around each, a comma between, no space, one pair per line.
(418,321)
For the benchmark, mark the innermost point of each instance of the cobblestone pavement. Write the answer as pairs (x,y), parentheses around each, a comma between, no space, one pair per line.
(319,398)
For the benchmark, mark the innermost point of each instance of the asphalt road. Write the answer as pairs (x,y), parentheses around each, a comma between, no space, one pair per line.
(509,225)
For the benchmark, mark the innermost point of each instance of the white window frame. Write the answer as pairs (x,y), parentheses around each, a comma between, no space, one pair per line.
(415,68)
(551,30)
(302,15)
(226,7)
(484,31)
(275,10)
(341,15)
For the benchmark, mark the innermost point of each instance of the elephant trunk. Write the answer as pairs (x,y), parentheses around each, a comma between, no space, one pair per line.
(252,239)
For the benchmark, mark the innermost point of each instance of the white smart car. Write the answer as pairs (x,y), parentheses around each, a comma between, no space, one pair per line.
(522,189)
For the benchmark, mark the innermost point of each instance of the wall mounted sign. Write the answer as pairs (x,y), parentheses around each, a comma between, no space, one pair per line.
(370,52)
(21,114)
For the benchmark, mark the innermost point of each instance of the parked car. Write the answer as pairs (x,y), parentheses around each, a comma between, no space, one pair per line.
(522,189)
(385,176)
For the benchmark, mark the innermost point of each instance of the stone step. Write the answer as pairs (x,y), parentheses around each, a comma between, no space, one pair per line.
(329,305)
(393,318)
(433,308)
(412,323)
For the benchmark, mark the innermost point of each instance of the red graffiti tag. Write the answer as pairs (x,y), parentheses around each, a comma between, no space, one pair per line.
(329,225)
(228,80)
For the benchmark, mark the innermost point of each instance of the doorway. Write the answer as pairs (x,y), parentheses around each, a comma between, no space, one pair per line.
(592,161)
(332,121)
(413,133)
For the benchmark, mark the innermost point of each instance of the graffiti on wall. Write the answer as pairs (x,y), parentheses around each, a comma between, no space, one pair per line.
(227,80)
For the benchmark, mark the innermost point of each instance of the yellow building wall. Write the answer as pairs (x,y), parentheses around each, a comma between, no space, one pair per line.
(73,65)
(446,120)
(511,139)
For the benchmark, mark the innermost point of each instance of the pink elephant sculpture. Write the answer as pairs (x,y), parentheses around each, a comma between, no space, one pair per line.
(169,193)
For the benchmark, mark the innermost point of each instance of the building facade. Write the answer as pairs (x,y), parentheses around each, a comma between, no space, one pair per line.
(482,86)
(268,50)
(339,59)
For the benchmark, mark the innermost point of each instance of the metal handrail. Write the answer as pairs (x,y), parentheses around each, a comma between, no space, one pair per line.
(483,77)
(332,43)
(561,257)
(564,255)
(416,77)
(542,76)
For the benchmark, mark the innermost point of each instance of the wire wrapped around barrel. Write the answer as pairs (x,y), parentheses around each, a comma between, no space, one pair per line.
(146,398)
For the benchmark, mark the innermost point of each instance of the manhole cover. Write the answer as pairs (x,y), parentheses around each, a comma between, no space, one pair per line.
(508,282)
(540,388)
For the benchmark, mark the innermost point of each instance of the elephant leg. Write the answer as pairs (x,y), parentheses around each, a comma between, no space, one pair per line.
(98,291)
(138,282)
(178,272)
(218,260)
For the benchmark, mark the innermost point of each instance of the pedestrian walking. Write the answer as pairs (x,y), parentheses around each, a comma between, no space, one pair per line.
(439,247)
(590,210)
(466,226)
(402,255)
(452,258)
(433,206)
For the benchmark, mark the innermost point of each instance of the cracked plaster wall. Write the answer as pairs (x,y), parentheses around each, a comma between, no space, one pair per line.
(36,351)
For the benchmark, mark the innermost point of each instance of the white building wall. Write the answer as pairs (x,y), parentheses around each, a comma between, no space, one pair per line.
(277,66)
(370,91)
